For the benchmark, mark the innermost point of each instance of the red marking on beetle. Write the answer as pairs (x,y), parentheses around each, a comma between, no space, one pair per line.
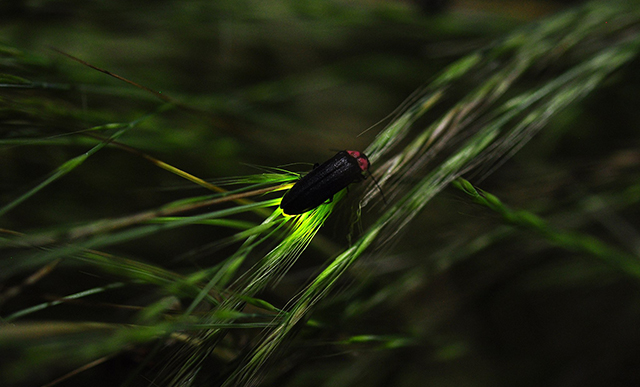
(363,161)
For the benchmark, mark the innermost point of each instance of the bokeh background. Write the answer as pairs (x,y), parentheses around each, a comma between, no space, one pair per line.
(459,298)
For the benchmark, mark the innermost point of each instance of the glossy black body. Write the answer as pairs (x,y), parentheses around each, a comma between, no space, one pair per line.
(324,181)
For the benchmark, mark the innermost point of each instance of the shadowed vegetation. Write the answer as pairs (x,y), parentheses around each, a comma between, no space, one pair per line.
(141,242)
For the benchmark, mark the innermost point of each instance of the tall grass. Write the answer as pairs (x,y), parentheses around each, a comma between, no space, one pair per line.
(222,320)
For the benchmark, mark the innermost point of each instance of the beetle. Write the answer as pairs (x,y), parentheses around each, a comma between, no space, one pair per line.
(324,181)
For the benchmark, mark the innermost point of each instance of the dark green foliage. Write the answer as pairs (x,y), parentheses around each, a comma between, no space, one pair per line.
(141,245)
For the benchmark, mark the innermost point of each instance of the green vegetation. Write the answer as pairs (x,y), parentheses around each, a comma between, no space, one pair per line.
(141,241)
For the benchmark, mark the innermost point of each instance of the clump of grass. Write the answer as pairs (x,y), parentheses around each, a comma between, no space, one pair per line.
(216,317)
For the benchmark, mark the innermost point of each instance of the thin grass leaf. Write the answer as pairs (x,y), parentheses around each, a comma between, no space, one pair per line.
(570,240)
(75,296)
(68,166)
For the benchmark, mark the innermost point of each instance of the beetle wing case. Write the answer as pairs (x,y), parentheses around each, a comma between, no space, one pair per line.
(320,184)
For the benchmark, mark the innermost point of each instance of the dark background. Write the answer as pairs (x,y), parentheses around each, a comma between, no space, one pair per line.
(291,81)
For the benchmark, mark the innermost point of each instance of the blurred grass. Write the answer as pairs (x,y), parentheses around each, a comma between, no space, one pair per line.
(115,272)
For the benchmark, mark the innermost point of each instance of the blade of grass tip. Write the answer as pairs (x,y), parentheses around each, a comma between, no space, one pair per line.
(65,168)
(62,170)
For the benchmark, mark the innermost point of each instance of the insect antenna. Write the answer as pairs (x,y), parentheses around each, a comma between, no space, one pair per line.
(384,199)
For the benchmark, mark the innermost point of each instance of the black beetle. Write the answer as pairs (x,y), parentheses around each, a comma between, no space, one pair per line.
(324,181)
